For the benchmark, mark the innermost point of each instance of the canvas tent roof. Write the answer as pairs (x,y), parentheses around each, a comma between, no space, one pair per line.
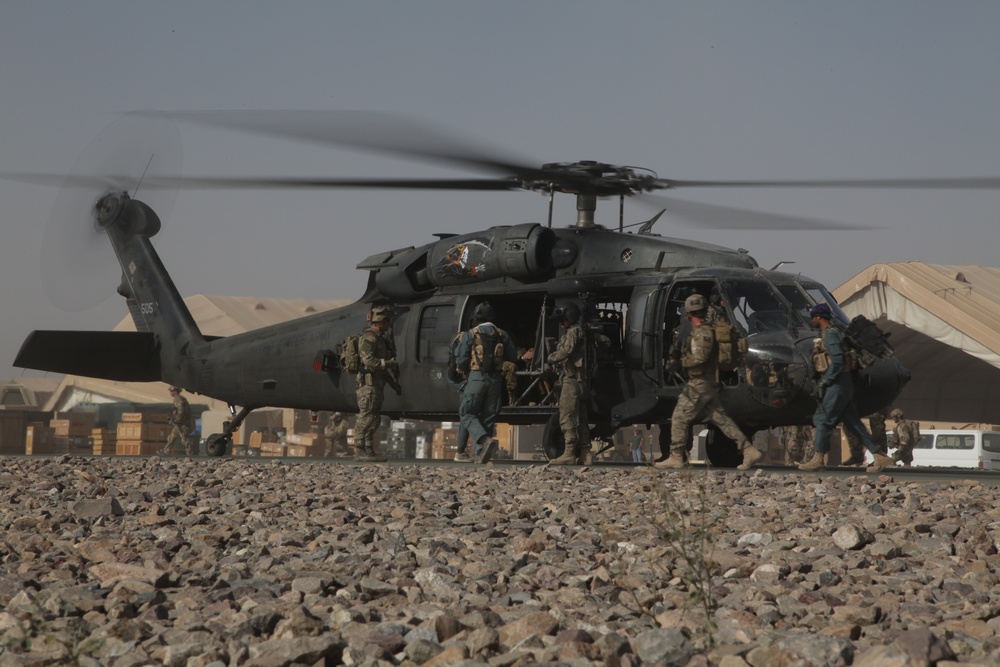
(215,316)
(944,324)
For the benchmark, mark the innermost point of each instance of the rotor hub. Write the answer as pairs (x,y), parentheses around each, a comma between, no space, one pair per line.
(109,207)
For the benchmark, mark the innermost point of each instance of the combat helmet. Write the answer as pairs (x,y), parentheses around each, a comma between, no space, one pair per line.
(379,314)
(695,304)
(896,414)
(570,312)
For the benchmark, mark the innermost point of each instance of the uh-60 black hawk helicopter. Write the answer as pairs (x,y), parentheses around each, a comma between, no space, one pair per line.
(630,286)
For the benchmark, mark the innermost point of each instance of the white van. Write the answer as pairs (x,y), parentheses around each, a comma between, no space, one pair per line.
(958,448)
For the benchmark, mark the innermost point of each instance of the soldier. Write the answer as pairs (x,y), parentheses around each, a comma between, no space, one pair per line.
(378,360)
(835,394)
(575,356)
(876,422)
(480,355)
(700,395)
(180,419)
(793,444)
(905,437)
(335,433)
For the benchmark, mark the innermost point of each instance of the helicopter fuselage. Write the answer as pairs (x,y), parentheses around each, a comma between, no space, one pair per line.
(630,287)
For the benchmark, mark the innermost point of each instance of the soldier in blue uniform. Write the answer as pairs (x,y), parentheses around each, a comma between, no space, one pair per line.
(835,395)
(479,355)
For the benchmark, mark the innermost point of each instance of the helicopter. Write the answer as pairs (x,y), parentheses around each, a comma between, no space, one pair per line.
(630,285)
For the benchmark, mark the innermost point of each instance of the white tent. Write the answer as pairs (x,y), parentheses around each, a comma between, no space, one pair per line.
(944,324)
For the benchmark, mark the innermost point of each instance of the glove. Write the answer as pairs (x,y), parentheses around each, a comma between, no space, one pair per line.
(391,365)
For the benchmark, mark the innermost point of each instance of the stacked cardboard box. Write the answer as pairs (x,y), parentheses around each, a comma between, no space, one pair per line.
(305,444)
(272,449)
(445,444)
(142,434)
(105,442)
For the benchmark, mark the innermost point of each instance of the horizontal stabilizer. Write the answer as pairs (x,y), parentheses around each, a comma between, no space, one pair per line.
(124,356)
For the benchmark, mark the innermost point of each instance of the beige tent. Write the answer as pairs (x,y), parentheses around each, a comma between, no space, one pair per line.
(215,316)
(944,323)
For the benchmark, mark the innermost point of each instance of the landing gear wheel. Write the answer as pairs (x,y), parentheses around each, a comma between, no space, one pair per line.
(720,451)
(217,443)
(553,443)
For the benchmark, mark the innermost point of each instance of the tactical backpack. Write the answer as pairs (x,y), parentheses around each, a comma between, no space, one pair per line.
(731,347)
(350,359)
(487,351)
(864,343)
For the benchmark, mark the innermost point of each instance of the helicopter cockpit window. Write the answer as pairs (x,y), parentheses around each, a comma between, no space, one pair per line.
(756,306)
(436,333)
(799,301)
(819,294)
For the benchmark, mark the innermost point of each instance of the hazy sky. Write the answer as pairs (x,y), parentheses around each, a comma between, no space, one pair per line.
(692,90)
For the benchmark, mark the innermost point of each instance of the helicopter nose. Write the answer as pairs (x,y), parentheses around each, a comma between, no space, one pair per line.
(776,374)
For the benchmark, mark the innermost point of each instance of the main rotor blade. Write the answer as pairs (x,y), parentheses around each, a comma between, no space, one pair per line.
(874,183)
(365,130)
(714,216)
(306,183)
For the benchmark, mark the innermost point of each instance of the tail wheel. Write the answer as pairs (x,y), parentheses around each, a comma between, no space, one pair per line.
(553,442)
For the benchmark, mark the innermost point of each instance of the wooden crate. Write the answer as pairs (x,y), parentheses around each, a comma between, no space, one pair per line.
(39,440)
(137,448)
(147,431)
(73,424)
(148,417)
(13,425)
(103,442)
(295,450)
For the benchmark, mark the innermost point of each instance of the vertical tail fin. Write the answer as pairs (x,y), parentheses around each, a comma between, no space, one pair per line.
(153,301)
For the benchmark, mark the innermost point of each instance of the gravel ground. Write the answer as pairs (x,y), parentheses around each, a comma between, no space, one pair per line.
(128,562)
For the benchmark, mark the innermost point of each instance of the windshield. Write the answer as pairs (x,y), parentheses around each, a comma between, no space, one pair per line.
(757,307)
(819,294)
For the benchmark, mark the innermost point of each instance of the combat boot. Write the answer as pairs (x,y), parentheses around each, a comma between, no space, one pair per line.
(816,463)
(675,461)
(462,457)
(568,458)
(586,459)
(880,463)
(750,456)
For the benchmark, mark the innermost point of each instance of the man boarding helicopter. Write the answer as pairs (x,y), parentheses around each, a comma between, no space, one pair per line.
(630,286)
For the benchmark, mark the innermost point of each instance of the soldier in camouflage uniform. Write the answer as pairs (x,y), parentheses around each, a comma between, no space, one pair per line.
(377,353)
(793,444)
(180,419)
(700,395)
(335,434)
(904,438)
(575,357)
